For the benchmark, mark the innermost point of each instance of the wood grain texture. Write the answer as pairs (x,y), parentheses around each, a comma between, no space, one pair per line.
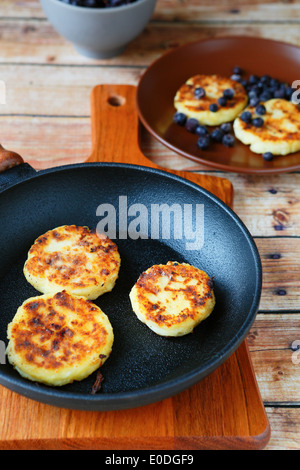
(43,74)
(182,422)
(39,44)
(178,10)
(113,107)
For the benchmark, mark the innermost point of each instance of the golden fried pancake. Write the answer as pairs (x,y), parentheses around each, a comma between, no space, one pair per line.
(214,85)
(280,133)
(172,299)
(58,339)
(74,259)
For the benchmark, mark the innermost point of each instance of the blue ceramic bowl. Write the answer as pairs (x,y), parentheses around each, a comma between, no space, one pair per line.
(99,33)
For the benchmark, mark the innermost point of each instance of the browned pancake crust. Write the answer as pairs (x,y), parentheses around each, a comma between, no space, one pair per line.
(187,90)
(274,129)
(72,269)
(155,312)
(45,338)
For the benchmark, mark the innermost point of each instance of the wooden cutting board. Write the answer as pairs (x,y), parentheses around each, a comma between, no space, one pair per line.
(223,411)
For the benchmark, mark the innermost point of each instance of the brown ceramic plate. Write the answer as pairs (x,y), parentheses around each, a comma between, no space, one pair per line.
(158,85)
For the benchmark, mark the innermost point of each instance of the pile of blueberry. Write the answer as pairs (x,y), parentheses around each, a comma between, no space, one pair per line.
(259,90)
(98,3)
(220,134)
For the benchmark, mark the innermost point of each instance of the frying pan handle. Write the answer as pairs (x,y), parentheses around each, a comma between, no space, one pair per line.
(12,168)
(9,159)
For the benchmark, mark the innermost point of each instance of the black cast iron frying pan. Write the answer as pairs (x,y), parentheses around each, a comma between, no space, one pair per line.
(143,367)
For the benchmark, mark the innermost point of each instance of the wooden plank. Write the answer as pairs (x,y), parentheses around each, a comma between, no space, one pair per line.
(281,273)
(47,141)
(285,425)
(35,41)
(181,422)
(226,11)
(271,342)
(170,10)
(177,427)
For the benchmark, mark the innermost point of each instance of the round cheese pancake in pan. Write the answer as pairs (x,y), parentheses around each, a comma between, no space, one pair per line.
(214,86)
(74,259)
(58,339)
(280,132)
(172,299)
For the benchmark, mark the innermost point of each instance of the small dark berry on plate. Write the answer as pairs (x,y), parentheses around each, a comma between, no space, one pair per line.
(191,124)
(268,156)
(213,107)
(228,93)
(236,77)
(260,109)
(97,3)
(217,135)
(201,130)
(280,93)
(237,70)
(258,122)
(222,101)
(203,142)
(253,94)
(265,79)
(246,116)
(179,118)
(253,79)
(274,83)
(228,140)
(266,95)
(288,92)
(199,93)
(254,102)
(226,127)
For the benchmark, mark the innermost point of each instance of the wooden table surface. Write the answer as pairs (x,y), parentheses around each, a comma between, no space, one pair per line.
(46,119)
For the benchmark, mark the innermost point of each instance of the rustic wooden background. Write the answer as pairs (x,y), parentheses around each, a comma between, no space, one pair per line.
(46,118)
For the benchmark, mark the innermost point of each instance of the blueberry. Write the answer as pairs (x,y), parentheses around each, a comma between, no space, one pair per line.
(260,109)
(280,93)
(228,140)
(237,70)
(236,77)
(213,107)
(217,135)
(253,79)
(268,156)
(97,3)
(179,118)
(252,94)
(199,93)
(265,96)
(288,92)
(265,79)
(203,142)
(226,127)
(274,83)
(191,124)
(246,116)
(228,93)
(254,102)
(201,130)
(258,122)
(222,101)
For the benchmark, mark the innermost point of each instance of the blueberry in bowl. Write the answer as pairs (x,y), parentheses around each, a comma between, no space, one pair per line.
(99,29)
